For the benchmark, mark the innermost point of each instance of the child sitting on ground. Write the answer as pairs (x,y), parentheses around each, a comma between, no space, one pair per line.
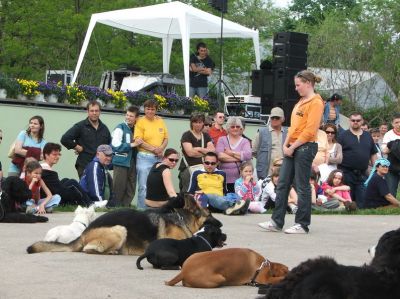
(246,187)
(315,191)
(268,194)
(33,178)
(337,194)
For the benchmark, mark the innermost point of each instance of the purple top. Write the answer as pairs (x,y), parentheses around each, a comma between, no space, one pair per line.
(232,168)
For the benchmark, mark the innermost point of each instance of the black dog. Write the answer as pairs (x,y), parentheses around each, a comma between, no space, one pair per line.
(169,254)
(324,278)
(15,193)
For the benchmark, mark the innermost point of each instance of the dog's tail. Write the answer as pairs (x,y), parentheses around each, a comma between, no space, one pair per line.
(174,280)
(139,259)
(41,246)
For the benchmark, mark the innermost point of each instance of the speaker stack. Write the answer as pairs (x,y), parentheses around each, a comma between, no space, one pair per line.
(275,86)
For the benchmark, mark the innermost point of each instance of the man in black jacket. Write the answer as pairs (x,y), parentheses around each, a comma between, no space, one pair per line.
(69,189)
(85,136)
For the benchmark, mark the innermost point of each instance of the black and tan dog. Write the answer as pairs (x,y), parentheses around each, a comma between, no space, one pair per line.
(228,267)
(324,278)
(126,231)
(169,254)
(14,194)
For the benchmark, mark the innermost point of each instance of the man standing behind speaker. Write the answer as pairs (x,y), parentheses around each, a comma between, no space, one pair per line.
(201,66)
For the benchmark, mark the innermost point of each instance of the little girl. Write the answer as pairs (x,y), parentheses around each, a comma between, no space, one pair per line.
(33,178)
(247,189)
(334,189)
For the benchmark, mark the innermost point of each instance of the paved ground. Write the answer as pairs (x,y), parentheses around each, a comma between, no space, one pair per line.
(77,275)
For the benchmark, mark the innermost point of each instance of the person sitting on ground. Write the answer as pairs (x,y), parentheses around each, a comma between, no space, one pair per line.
(337,194)
(96,180)
(209,186)
(268,194)
(159,181)
(69,189)
(246,187)
(33,179)
(377,194)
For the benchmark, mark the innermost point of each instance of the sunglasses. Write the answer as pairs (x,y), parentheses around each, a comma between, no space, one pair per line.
(221,116)
(330,132)
(355,120)
(207,125)
(236,127)
(173,160)
(275,117)
(384,166)
(210,163)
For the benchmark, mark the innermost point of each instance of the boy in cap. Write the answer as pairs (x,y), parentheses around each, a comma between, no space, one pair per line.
(96,181)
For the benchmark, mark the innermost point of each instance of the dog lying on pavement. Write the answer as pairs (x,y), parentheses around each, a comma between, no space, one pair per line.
(324,278)
(228,267)
(169,254)
(67,233)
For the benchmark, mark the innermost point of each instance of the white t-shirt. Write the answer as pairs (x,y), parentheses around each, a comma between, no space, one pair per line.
(389,136)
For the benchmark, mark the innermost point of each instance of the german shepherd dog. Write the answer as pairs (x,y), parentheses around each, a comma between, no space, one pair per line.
(129,232)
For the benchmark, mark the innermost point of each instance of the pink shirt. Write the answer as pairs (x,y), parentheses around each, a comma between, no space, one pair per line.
(344,194)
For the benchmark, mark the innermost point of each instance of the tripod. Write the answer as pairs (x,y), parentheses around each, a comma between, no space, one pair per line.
(222,7)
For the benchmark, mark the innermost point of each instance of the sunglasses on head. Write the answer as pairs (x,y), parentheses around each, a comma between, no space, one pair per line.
(173,160)
(210,163)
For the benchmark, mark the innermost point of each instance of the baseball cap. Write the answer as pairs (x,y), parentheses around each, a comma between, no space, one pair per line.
(277,112)
(105,148)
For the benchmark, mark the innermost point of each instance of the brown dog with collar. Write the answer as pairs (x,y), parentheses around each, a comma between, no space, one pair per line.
(228,267)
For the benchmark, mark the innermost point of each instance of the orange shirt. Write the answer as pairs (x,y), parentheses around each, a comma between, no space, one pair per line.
(216,133)
(306,119)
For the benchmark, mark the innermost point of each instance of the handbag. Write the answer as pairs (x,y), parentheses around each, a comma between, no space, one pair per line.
(11,151)
(195,167)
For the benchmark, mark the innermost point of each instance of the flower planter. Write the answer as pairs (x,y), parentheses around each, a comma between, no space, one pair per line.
(3,93)
(84,103)
(22,97)
(39,98)
(52,98)
(110,105)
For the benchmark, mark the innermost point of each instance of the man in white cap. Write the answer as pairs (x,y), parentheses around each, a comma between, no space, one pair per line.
(268,142)
(96,181)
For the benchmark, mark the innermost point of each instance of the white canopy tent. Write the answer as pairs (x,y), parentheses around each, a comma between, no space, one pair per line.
(169,21)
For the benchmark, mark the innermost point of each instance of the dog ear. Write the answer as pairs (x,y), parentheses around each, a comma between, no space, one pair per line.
(79,209)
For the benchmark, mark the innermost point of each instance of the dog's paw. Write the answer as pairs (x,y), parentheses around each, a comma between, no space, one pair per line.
(93,248)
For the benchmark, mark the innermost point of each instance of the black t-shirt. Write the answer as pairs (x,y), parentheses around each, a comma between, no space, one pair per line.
(189,137)
(356,153)
(196,79)
(375,194)
(155,185)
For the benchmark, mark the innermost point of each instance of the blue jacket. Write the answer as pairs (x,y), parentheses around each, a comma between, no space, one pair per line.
(121,145)
(326,113)
(93,180)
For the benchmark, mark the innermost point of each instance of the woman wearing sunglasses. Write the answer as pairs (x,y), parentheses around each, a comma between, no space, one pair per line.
(232,150)
(159,181)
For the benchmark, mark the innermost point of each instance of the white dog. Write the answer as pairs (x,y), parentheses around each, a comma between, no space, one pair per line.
(67,233)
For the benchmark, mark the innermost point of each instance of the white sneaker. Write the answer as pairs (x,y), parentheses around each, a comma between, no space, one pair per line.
(269,226)
(296,229)
(236,208)
(100,204)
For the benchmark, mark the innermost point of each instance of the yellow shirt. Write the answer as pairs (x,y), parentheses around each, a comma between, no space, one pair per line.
(152,132)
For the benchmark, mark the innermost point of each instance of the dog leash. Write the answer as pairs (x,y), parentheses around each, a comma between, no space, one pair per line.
(253,280)
(208,243)
(84,224)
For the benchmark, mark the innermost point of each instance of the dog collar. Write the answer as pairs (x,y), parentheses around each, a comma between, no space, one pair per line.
(253,279)
(208,243)
(84,224)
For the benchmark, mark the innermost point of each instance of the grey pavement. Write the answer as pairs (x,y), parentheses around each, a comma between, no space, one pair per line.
(79,275)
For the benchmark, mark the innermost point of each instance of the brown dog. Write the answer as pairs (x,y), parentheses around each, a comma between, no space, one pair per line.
(228,267)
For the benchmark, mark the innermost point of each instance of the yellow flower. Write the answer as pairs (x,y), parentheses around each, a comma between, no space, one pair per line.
(200,104)
(162,102)
(28,87)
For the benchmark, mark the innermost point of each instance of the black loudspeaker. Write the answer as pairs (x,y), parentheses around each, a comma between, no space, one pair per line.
(290,62)
(290,37)
(262,83)
(296,50)
(284,87)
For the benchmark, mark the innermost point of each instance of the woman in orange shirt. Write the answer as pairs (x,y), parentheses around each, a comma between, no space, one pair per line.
(299,149)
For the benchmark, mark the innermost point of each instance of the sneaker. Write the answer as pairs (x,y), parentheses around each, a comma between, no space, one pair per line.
(100,204)
(350,206)
(49,210)
(31,210)
(243,210)
(236,208)
(296,229)
(269,226)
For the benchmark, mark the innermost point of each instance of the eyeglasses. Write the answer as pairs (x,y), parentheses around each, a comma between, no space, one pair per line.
(221,116)
(207,125)
(275,117)
(384,166)
(173,160)
(330,132)
(236,127)
(210,163)
(355,120)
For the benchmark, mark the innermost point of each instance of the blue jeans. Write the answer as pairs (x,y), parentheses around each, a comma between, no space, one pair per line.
(218,202)
(295,170)
(200,91)
(355,180)
(53,202)
(144,162)
(392,179)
